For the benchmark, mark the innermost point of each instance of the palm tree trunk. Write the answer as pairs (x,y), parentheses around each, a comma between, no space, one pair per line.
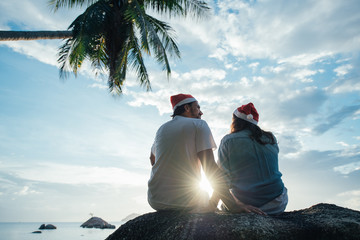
(33,35)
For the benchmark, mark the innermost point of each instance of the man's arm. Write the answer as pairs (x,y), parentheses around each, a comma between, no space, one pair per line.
(218,182)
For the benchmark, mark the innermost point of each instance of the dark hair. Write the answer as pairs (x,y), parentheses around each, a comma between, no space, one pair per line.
(239,124)
(180,109)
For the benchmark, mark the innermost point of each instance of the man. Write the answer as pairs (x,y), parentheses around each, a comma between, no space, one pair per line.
(182,146)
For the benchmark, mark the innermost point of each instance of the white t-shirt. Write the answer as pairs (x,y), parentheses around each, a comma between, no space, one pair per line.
(175,176)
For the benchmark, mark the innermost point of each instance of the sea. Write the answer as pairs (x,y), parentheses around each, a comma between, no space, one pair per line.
(64,231)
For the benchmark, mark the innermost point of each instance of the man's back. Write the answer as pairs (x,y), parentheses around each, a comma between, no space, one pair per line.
(175,176)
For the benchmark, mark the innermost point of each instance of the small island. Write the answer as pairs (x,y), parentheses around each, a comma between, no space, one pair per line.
(96,222)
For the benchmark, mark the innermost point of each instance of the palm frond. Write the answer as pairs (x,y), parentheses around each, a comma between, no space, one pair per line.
(56,4)
(160,51)
(137,14)
(118,65)
(64,52)
(196,8)
(98,56)
(87,40)
(167,35)
(137,62)
(172,7)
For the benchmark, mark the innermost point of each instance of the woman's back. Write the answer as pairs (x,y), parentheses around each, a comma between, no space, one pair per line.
(251,167)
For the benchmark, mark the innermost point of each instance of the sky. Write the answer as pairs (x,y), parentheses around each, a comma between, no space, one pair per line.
(69,148)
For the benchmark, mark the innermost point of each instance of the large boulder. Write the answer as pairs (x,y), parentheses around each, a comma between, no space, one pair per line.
(96,222)
(322,221)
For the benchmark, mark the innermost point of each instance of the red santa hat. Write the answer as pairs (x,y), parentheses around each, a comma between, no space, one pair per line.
(248,113)
(180,99)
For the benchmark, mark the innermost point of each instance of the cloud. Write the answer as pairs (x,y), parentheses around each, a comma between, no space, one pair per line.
(301,103)
(26,191)
(348,168)
(345,86)
(343,70)
(336,118)
(268,29)
(99,86)
(35,15)
(75,174)
(43,52)
(351,199)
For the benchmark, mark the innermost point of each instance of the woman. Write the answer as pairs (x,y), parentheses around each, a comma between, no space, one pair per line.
(249,158)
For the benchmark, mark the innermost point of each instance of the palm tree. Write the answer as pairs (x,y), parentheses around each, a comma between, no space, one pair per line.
(114,35)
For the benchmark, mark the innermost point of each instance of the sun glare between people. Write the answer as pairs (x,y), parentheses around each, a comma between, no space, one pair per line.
(205,184)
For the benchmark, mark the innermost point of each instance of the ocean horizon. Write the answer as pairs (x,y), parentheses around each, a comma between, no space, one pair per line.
(65,230)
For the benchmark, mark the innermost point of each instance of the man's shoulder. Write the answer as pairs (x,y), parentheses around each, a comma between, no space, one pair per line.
(178,121)
(195,121)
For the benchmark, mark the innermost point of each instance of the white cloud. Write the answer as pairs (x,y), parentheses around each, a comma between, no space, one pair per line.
(254,65)
(305,59)
(344,86)
(350,199)
(75,174)
(348,168)
(26,191)
(343,144)
(350,193)
(43,52)
(304,75)
(98,85)
(303,34)
(35,15)
(343,70)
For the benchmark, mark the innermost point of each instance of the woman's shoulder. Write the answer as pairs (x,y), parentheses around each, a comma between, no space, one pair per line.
(239,136)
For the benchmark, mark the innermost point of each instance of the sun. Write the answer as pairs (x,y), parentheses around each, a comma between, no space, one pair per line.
(205,184)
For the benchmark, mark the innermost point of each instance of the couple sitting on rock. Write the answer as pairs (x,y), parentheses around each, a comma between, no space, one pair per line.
(246,178)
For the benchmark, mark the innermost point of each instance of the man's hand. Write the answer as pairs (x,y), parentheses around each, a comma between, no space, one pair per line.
(152,159)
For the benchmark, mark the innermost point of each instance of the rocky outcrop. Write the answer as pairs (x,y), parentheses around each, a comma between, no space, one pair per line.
(322,221)
(47,226)
(96,222)
(130,217)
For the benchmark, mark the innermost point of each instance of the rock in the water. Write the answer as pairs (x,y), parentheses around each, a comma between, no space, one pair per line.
(322,221)
(36,232)
(42,226)
(47,226)
(96,222)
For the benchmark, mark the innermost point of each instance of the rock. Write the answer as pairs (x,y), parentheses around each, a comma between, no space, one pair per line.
(130,217)
(36,232)
(47,226)
(50,226)
(96,222)
(321,221)
(42,226)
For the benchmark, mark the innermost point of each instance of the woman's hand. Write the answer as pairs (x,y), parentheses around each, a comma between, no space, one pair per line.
(241,207)
(248,209)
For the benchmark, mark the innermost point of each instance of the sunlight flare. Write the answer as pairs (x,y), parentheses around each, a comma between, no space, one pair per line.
(205,184)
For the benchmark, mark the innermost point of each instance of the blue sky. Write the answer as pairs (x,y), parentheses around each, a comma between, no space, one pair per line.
(69,148)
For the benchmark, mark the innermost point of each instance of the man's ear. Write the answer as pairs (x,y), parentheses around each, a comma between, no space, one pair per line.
(187,107)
